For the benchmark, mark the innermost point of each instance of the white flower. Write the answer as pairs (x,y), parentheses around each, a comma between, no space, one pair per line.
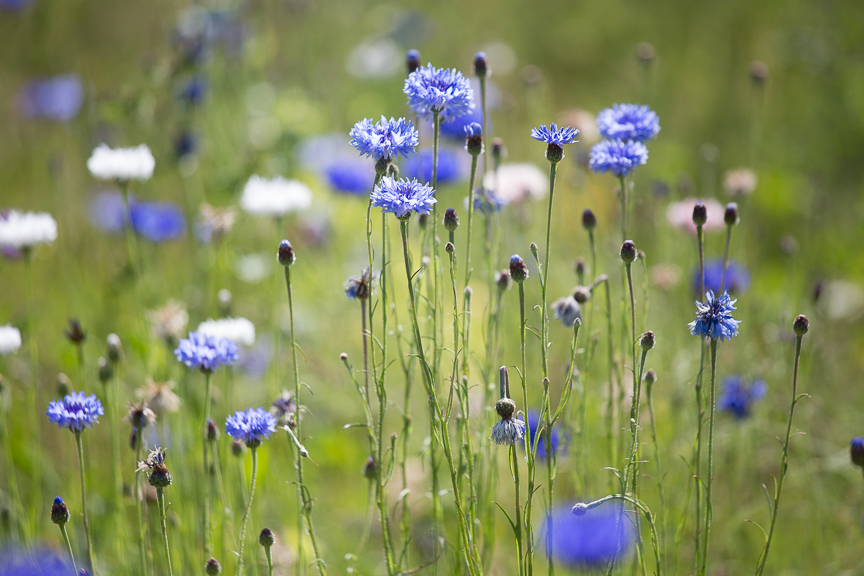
(238,330)
(274,197)
(121,163)
(10,339)
(517,182)
(27,229)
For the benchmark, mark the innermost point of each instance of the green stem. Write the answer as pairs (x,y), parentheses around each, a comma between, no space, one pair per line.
(624,208)
(269,560)
(725,258)
(69,548)
(91,559)
(709,508)
(248,510)
(12,477)
(139,515)
(208,541)
(514,463)
(160,496)
(662,494)
(700,413)
(32,390)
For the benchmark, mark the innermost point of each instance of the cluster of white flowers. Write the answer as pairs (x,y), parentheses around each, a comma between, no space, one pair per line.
(274,197)
(518,182)
(238,330)
(27,229)
(121,163)
(10,339)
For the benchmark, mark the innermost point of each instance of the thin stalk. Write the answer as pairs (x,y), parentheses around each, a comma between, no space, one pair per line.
(254,450)
(32,390)
(514,463)
(709,508)
(634,407)
(69,547)
(466,322)
(119,512)
(725,258)
(529,453)
(132,249)
(365,346)
(649,517)
(624,208)
(662,495)
(12,477)
(208,542)
(91,559)
(139,515)
(785,461)
(269,560)
(700,414)
(437,299)
(160,496)
(610,402)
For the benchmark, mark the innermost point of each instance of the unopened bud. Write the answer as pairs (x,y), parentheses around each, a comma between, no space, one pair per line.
(59,512)
(451,220)
(647,340)
(589,220)
(518,269)
(628,252)
(481,67)
(115,348)
(730,216)
(412,60)
(105,370)
(212,567)
(266,538)
(801,325)
(700,214)
(286,256)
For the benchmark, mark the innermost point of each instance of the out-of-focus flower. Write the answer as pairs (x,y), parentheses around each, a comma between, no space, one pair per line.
(284,409)
(592,539)
(451,168)
(443,91)
(169,322)
(255,360)
(140,415)
(160,397)
(274,197)
(842,300)
(238,330)
(206,353)
(738,397)
(665,276)
(185,143)
(374,59)
(76,411)
(360,287)
(56,98)
(36,561)
(252,426)
(403,197)
(617,156)
(714,318)
(23,230)
(158,221)
(121,163)
(107,211)
(214,223)
(518,182)
(737,277)
(455,127)
(193,90)
(487,202)
(534,424)
(10,339)
(567,309)
(628,122)
(680,215)
(583,121)
(350,176)
(384,139)
(739,182)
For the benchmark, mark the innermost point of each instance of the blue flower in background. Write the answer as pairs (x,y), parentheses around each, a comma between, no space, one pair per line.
(206,353)
(385,138)
(158,221)
(58,98)
(352,176)
(450,166)
(252,426)
(403,197)
(714,318)
(107,211)
(185,143)
(441,90)
(34,562)
(455,127)
(592,539)
(76,411)
(533,425)
(737,277)
(628,122)
(14,5)
(255,360)
(360,286)
(472,129)
(487,202)
(738,397)
(555,135)
(567,309)
(617,156)
(193,91)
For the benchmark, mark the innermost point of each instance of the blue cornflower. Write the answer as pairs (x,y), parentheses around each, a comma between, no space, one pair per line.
(628,122)
(856,451)
(206,353)
(617,156)
(107,211)
(193,91)
(57,98)
(737,277)
(403,197)
(738,397)
(714,318)
(252,426)
(76,411)
(534,425)
(555,135)
(455,127)
(444,91)
(592,539)
(487,202)
(158,221)
(360,287)
(567,309)
(472,129)
(384,139)
(33,562)
(450,166)
(352,176)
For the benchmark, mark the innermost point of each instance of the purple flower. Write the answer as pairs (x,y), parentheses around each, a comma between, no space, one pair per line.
(555,135)
(158,221)
(628,122)
(403,197)
(443,91)
(206,352)
(737,277)
(385,138)
(352,176)
(252,426)
(76,411)
(617,156)
(56,98)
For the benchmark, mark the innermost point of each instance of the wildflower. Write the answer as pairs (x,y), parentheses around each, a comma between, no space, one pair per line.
(59,512)
(856,451)
(454,128)
(503,280)
(567,309)
(730,216)
(518,269)
(160,397)
(517,182)
(159,476)
(169,322)
(24,230)
(589,220)
(680,215)
(212,567)
(441,91)
(206,353)
(10,339)
(274,197)
(56,98)
(628,122)
(403,197)
(737,277)
(238,330)
(451,220)
(385,139)
(350,176)
(193,91)
(584,538)
(450,166)
(801,325)
(284,409)
(581,293)
(140,415)
(628,252)
(252,426)
(617,156)
(266,538)
(534,425)
(481,66)
(158,221)
(214,223)
(105,370)
(254,361)
(35,561)
(121,163)
(714,318)
(508,430)
(700,214)
(370,468)
(555,138)
(474,139)
(76,411)
(360,287)
(738,397)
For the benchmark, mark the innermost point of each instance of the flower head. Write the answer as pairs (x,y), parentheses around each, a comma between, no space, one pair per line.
(714,318)
(76,411)
(121,163)
(487,202)
(56,98)
(238,330)
(160,397)
(443,91)
(360,287)
(591,538)
(738,397)
(158,221)
(628,122)
(10,339)
(403,197)
(27,229)
(617,156)
(206,353)
(555,135)
(252,426)
(384,139)
(140,415)
(274,197)
(284,409)
(214,223)
(34,561)
(737,277)
(508,431)
(159,476)
(567,309)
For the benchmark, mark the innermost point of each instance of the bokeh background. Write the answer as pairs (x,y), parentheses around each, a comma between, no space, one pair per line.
(224,90)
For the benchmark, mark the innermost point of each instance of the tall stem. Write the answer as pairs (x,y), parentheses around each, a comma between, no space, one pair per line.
(91,559)
(656,446)
(11,475)
(625,224)
(700,412)
(709,508)
(514,463)
(69,548)
(139,514)
(160,496)
(725,258)
(248,510)
(269,560)
(33,389)
(208,542)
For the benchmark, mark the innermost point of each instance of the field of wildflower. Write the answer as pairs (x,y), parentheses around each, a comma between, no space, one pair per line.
(295,287)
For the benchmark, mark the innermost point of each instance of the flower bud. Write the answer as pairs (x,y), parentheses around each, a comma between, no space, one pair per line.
(628,252)
(481,67)
(580,267)
(554,153)
(646,53)
(758,72)
(589,221)
(423,221)
(503,280)
(115,348)
(499,151)
(451,220)
(474,139)
(580,509)
(533,248)
(650,377)
(412,60)
(105,370)
(730,216)
(160,477)
(801,325)
(518,269)
(213,568)
(449,248)
(343,356)
(700,214)
(75,334)
(581,294)
(237,448)
(505,408)
(370,469)
(856,451)
(286,256)
(212,431)
(63,384)
(59,512)
(647,340)
(266,538)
